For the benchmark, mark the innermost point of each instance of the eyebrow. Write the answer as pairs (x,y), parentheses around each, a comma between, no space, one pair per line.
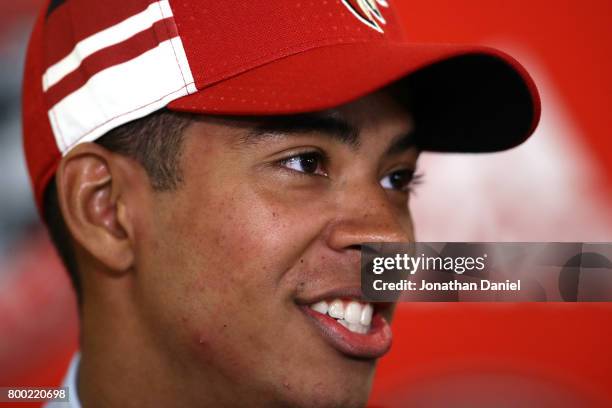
(330,125)
(401,143)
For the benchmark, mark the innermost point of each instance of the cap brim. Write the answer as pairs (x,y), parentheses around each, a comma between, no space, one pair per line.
(467,99)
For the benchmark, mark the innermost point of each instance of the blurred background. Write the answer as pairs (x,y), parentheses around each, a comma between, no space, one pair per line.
(555,187)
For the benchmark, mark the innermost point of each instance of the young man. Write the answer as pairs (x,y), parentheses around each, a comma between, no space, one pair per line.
(209,170)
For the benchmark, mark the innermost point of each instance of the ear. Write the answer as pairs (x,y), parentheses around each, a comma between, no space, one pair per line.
(91,191)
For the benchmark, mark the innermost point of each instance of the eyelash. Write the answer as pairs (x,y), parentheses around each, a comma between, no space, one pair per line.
(320,156)
(414,180)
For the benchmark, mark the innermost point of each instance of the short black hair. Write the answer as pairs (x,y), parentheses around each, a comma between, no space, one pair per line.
(155,141)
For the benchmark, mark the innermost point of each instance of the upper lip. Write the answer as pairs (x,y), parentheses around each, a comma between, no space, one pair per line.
(332,293)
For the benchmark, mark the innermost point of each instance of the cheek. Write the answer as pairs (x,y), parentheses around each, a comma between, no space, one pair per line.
(226,259)
(250,238)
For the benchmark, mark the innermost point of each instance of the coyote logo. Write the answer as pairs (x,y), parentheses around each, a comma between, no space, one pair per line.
(367,12)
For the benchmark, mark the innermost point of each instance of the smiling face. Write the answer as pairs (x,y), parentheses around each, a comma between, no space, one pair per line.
(266,227)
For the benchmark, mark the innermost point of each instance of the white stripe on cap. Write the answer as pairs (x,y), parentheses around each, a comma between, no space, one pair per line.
(122,93)
(106,38)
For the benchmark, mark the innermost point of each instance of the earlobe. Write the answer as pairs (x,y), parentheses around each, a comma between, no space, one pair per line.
(89,192)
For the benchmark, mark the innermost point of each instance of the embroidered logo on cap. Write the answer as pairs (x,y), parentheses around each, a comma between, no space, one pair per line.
(367,12)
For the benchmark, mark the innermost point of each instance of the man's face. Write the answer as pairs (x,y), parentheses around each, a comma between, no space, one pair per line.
(268,221)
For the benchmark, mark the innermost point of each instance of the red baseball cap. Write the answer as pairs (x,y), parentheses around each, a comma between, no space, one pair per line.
(94,65)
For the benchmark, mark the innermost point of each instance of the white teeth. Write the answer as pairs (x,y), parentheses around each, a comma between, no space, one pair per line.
(355,327)
(366,315)
(336,309)
(321,307)
(352,313)
(355,316)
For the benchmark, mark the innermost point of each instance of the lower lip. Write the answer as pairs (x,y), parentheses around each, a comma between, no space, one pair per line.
(373,344)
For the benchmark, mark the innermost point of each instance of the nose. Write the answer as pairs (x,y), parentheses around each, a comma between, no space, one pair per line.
(367,215)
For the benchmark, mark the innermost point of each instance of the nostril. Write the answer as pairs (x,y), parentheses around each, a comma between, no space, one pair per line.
(354,246)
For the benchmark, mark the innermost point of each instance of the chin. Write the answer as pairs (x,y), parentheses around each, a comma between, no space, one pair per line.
(350,391)
(332,400)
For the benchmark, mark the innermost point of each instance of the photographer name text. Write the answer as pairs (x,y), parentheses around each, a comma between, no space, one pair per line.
(454,285)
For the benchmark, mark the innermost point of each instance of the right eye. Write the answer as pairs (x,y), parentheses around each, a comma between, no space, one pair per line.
(306,163)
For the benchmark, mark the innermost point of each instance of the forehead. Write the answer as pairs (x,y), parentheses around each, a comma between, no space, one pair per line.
(379,113)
